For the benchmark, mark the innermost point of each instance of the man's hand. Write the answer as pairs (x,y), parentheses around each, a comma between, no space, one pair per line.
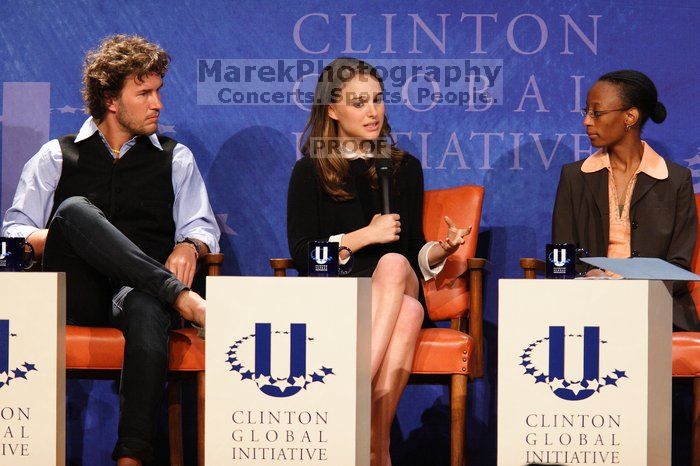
(38,240)
(182,262)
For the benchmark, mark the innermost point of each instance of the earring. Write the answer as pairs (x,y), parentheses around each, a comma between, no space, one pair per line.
(627,127)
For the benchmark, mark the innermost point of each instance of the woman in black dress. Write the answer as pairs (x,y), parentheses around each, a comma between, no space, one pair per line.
(333,195)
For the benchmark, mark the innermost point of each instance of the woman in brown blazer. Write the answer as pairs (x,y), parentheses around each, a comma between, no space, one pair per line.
(625,200)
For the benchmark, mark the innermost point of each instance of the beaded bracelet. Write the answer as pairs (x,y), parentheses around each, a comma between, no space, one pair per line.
(193,244)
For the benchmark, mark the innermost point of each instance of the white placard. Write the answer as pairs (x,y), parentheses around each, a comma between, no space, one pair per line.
(288,375)
(32,368)
(584,372)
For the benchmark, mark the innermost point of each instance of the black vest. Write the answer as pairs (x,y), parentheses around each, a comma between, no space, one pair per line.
(135,192)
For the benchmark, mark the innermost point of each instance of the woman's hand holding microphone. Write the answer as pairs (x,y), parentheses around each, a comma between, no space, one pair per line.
(381,229)
(384,228)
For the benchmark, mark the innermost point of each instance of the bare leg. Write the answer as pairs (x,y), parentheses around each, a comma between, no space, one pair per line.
(392,279)
(393,376)
(396,320)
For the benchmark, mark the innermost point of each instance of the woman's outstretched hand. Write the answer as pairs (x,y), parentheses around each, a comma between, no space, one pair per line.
(455,236)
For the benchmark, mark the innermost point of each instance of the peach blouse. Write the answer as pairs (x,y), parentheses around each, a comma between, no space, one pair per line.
(619,235)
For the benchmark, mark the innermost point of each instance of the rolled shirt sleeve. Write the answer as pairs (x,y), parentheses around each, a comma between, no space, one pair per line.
(192,212)
(34,196)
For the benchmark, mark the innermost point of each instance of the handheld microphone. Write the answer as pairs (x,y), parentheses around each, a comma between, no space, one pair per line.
(383,166)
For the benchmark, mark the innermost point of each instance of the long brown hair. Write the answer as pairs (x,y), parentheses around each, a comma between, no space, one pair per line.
(331,167)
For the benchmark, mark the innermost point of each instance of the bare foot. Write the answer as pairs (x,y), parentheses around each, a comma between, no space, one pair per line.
(191,307)
(128,461)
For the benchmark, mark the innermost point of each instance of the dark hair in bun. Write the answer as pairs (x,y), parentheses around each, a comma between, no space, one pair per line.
(637,90)
(658,114)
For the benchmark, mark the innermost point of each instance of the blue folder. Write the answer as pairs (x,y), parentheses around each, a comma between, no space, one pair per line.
(642,268)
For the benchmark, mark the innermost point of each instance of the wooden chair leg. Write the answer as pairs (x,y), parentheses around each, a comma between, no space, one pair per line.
(476,315)
(696,422)
(458,404)
(200,418)
(175,422)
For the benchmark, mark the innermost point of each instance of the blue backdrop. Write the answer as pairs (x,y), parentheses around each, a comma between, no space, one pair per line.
(549,54)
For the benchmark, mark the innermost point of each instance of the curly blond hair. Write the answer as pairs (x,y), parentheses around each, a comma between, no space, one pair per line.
(106,67)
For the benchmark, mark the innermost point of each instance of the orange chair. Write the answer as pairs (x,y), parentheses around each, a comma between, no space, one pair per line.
(686,351)
(686,363)
(97,353)
(456,294)
(685,345)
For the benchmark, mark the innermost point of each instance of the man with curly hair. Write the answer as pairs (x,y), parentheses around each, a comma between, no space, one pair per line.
(124,212)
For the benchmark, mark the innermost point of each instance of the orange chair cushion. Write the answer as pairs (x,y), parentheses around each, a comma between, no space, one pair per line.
(102,348)
(443,351)
(98,348)
(686,354)
(186,351)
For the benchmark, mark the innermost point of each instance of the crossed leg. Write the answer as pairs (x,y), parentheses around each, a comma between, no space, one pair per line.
(96,257)
(396,321)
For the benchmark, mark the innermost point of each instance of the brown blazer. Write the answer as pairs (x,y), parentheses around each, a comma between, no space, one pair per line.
(663,221)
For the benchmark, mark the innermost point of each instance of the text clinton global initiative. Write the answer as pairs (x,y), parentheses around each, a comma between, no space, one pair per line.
(279,435)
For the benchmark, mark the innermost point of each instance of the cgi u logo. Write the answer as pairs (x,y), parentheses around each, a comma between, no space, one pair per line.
(581,386)
(263,357)
(20,372)
(591,360)
(320,255)
(556,259)
(251,357)
(4,342)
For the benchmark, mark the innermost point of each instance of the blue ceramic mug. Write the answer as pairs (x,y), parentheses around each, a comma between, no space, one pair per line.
(324,259)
